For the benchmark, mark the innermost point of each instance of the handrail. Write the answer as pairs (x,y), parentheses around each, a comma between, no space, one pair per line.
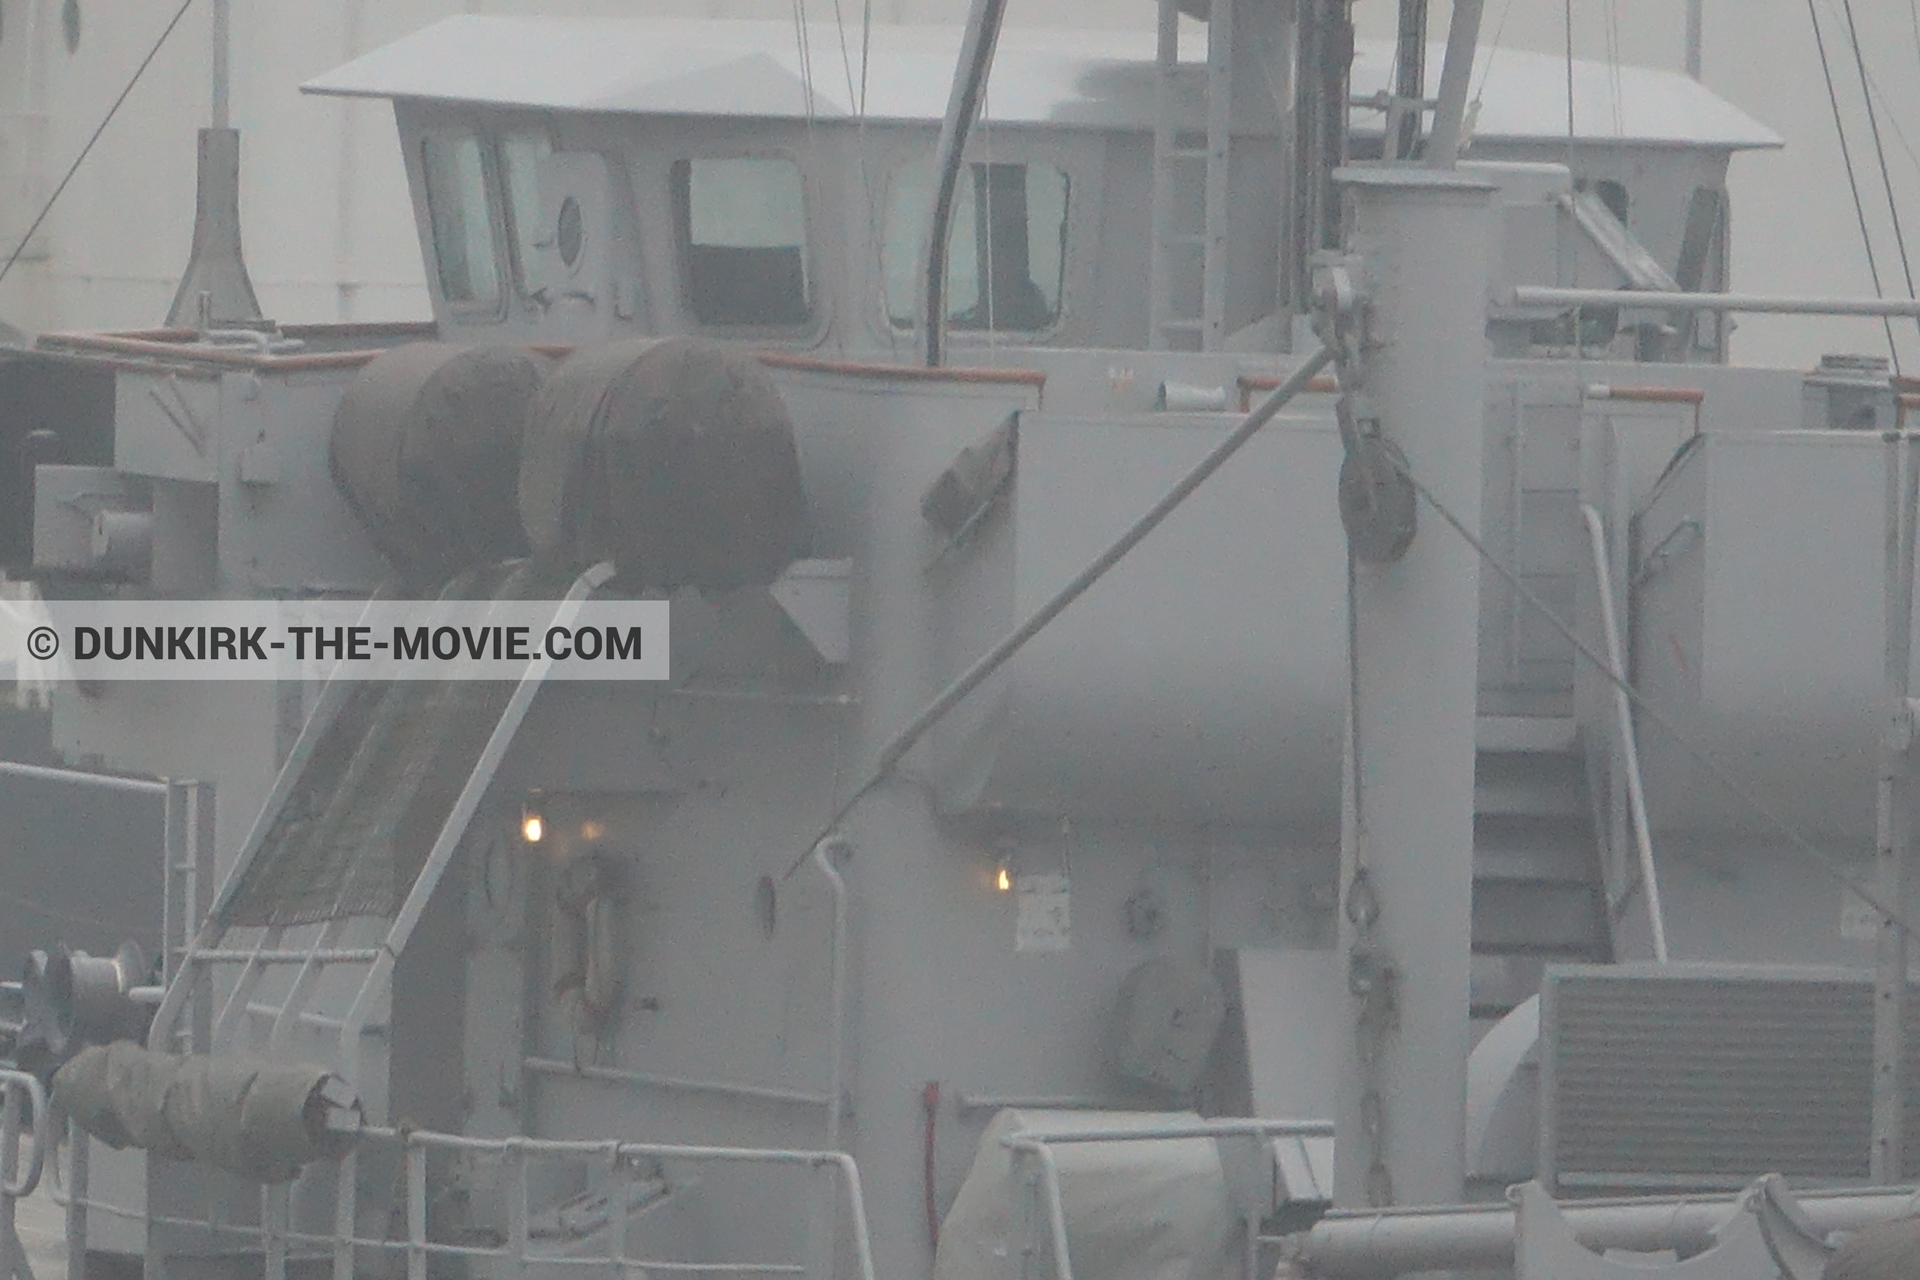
(1038,1144)
(276,1233)
(14,1184)
(1629,746)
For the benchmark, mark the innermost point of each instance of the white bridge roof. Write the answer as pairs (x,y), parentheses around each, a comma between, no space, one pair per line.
(1094,79)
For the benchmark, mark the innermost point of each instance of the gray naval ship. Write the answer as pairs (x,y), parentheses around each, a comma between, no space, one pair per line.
(1250,689)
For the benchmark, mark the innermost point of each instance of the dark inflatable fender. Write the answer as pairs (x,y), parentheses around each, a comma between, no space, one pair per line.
(674,458)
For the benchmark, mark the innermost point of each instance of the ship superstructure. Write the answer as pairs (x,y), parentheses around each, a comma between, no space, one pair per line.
(1129,736)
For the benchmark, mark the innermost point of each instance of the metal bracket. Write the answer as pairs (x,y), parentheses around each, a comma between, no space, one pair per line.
(1547,1248)
(1377,501)
(1799,1248)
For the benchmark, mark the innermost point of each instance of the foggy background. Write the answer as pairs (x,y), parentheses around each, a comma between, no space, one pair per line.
(329,235)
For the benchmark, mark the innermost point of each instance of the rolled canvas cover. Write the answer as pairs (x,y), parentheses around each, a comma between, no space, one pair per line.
(1154,1210)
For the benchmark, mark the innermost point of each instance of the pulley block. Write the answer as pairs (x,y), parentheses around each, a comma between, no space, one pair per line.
(1377,500)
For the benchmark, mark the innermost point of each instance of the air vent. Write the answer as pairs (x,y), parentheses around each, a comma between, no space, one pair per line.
(1704,1076)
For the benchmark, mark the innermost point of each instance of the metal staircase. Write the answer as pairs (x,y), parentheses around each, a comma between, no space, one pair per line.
(359,826)
(1188,265)
(1537,892)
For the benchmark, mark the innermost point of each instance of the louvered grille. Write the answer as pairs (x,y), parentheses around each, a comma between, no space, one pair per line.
(1710,1074)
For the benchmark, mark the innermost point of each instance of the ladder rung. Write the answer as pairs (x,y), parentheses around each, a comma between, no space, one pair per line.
(1184,326)
(335,956)
(1186,153)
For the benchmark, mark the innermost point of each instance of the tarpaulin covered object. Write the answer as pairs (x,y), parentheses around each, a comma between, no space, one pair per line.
(262,1121)
(1151,1210)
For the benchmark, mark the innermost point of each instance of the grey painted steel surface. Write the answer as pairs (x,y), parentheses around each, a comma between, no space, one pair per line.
(1229,665)
(1421,237)
(1759,622)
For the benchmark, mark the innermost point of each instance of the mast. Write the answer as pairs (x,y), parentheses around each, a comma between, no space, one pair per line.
(1410,81)
(215,287)
(1694,22)
(1463,34)
(963,105)
(1406,310)
(1321,88)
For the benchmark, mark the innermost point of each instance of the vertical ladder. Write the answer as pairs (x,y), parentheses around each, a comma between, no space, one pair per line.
(1188,264)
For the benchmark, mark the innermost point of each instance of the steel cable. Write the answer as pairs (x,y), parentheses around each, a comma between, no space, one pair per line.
(105,120)
(1853,182)
(1659,718)
(1879,150)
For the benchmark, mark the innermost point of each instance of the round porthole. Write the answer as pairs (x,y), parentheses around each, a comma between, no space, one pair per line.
(70,24)
(570,235)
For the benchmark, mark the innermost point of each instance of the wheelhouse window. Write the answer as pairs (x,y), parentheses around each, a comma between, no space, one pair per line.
(1007,247)
(521,154)
(743,239)
(460,214)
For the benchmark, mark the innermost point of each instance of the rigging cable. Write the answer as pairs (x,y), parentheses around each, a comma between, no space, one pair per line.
(846,58)
(1853,182)
(1879,150)
(1886,105)
(803,44)
(105,120)
(1701,756)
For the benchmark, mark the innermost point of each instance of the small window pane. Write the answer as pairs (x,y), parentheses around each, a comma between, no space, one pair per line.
(1007,245)
(521,155)
(462,230)
(743,228)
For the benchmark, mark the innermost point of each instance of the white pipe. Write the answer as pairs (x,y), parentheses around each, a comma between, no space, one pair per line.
(1463,33)
(615,1075)
(1192,1129)
(836,1015)
(222,62)
(1056,1210)
(1481,1237)
(81,778)
(1629,745)
(1527,295)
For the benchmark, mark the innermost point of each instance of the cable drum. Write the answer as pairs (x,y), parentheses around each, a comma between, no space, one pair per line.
(426,448)
(674,458)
